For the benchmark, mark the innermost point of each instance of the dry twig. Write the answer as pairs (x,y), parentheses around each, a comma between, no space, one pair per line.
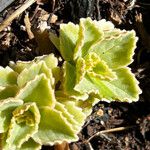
(110,131)
(6,22)
(28,26)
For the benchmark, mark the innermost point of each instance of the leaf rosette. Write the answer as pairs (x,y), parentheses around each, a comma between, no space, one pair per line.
(96,57)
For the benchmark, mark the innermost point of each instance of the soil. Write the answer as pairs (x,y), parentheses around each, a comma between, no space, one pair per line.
(16,44)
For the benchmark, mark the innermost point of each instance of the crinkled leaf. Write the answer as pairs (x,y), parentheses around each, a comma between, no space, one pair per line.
(86,86)
(98,68)
(53,129)
(38,90)
(29,74)
(92,66)
(89,34)
(124,88)
(74,110)
(8,91)
(24,124)
(80,69)
(70,118)
(68,39)
(7,76)
(118,51)
(50,60)
(28,145)
(6,108)
(104,25)
(70,81)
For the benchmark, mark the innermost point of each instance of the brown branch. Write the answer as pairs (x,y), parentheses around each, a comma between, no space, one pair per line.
(7,21)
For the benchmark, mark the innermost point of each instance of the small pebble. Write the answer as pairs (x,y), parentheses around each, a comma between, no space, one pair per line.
(100,112)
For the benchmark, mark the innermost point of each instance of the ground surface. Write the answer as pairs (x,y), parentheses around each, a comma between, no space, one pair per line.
(17,44)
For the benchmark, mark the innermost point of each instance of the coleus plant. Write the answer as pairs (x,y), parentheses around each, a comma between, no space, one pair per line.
(42,103)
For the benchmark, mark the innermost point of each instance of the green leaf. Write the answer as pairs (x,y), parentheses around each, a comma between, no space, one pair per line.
(36,69)
(38,90)
(80,69)
(70,118)
(56,72)
(54,129)
(54,39)
(118,51)
(7,76)
(89,34)
(98,68)
(68,39)
(20,65)
(71,107)
(50,60)
(8,91)
(124,88)
(87,86)
(30,145)
(24,124)
(6,108)
(70,81)
(69,77)
(104,25)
